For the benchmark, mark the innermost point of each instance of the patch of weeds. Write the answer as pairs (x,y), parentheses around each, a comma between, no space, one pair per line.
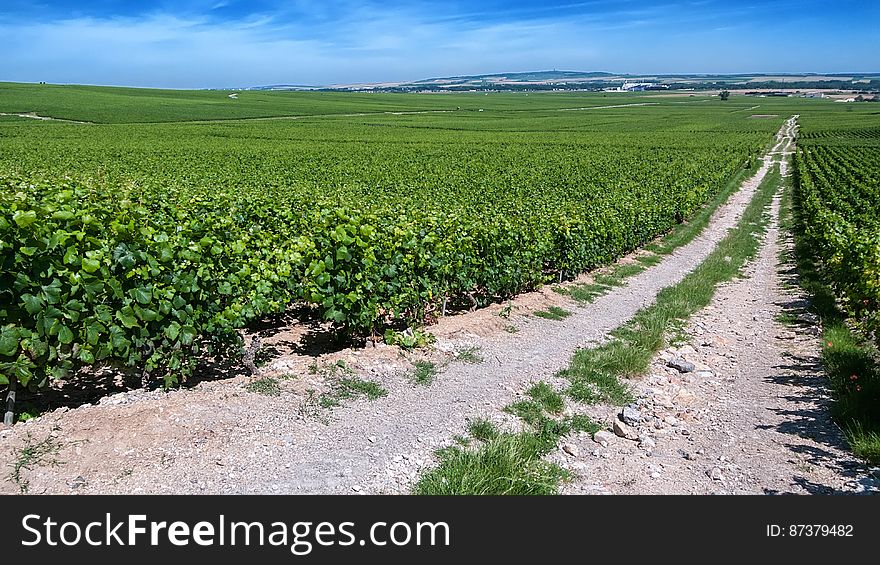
(649,260)
(548,432)
(482,430)
(423,373)
(469,355)
(264,355)
(461,440)
(865,444)
(851,364)
(549,399)
(588,292)
(531,412)
(511,329)
(604,282)
(348,388)
(609,279)
(27,413)
(267,386)
(583,423)
(507,464)
(43,453)
(787,319)
(625,271)
(409,339)
(593,386)
(553,313)
(310,406)
(506,311)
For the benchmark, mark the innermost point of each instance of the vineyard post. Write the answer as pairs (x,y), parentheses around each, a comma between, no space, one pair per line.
(10,403)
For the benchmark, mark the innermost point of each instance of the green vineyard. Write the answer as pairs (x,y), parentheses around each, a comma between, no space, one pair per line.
(149,244)
(837,173)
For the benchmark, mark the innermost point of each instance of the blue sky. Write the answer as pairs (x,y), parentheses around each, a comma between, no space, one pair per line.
(219,43)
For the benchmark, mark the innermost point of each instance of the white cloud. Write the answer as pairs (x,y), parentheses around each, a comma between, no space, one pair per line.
(167,50)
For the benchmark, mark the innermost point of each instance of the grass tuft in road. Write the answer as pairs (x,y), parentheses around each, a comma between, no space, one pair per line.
(266,386)
(33,454)
(553,313)
(527,410)
(348,388)
(549,399)
(469,355)
(507,463)
(423,372)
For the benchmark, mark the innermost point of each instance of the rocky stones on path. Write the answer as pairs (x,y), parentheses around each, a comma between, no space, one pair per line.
(715,474)
(571,449)
(624,431)
(578,466)
(603,437)
(681,365)
(631,415)
(684,397)
(713,341)
(647,443)
(77,482)
(663,400)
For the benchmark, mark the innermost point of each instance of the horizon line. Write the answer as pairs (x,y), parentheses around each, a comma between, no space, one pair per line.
(488,74)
